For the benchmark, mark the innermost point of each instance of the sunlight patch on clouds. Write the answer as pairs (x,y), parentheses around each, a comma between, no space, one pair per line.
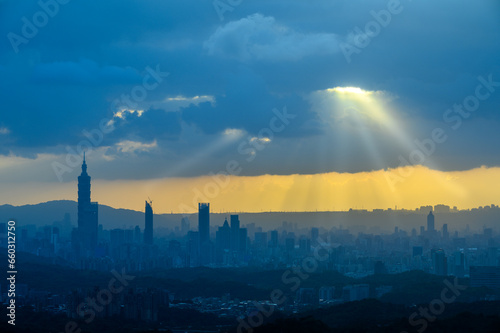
(191,99)
(260,140)
(123,113)
(233,132)
(172,104)
(128,146)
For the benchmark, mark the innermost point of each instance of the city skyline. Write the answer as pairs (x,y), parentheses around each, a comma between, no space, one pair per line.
(250,166)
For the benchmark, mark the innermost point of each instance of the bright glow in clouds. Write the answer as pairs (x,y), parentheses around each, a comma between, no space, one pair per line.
(367,116)
(349,90)
(343,102)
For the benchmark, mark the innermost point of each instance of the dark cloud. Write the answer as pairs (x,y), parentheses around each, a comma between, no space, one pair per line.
(263,55)
(84,72)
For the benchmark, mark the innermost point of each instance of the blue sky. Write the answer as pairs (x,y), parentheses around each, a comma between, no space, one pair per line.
(225,77)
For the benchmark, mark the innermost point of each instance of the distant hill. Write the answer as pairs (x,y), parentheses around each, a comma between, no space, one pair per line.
(357,221)
(46,213)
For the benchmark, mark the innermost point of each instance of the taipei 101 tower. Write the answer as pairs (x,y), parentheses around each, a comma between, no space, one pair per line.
(87,214)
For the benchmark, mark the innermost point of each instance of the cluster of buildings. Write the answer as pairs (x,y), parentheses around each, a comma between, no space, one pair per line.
(434,250)
(234,244)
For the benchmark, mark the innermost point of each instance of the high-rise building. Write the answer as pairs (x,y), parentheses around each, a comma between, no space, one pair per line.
(379,268)
(458,264)
(355,292)
(137,234)
(223,237)
(326,293)
(274,238)
(87,214)
(439,262)
(418,251)
(307,296)
(116,237)
(260,240)
(446,236)
(185,226)
(290,244)
(204,222)
(243,239)
(148,227)
(314,235)
(430,222)
(193,248)
(235,233)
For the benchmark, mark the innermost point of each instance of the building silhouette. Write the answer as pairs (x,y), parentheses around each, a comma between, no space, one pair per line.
(223,244)
(223,237)
(439,262)
(235,233)
(243,240)
(204,222)
(193,248)
(446,235)
(355,292)
(148,227)
(87,215)
(430,222)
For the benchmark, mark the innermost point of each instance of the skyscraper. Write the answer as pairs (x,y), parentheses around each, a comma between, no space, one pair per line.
(445,232)
(235,233)
(148,227)
(185,226)
(87,214)
(223,237)
(204,222)
(430,222)
(439,262)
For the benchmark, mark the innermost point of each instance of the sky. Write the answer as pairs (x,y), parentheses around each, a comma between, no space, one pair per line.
(251,105)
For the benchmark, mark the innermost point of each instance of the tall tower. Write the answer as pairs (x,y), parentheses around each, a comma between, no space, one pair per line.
(204,222)
(87,213)
(430,222)
(148,228)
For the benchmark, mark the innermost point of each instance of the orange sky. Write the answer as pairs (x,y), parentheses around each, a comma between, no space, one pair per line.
(330,191)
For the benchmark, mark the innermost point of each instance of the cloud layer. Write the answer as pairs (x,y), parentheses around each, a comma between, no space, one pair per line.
(66,77)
